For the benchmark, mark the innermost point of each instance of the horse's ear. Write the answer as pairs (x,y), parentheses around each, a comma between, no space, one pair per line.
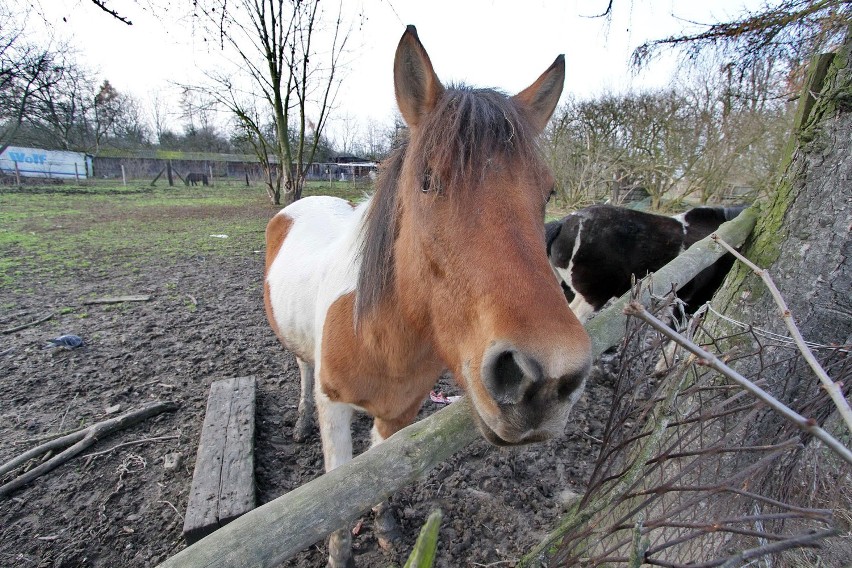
(541,97)
(415,82)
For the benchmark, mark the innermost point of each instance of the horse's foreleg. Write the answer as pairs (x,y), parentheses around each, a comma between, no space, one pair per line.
(340,549)
(335,421)
(306,402)
(385,526)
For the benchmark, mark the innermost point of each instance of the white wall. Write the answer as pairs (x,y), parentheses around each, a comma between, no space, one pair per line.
(33,162)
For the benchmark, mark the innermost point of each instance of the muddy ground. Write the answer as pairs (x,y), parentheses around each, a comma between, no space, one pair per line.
(205,322)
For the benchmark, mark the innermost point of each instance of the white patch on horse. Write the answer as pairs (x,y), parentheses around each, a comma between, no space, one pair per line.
(565,274)
(375,437)
(311,266)
(335,420)
(317,264)
(681,218)
(581,308)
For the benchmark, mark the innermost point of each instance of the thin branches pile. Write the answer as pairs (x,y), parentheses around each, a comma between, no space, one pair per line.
(695,470)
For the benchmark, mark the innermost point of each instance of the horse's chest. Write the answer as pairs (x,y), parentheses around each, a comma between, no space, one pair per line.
(381,368)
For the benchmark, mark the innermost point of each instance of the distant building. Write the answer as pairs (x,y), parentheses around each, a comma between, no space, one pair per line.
(149,162)
(55,164)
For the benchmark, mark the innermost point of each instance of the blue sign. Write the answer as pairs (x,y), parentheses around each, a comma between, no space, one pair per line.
(28,159)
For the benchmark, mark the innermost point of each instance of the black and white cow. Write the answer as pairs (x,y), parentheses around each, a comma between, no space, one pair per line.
(594,252)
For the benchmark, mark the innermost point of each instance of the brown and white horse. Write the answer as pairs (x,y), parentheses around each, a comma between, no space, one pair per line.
(443,268)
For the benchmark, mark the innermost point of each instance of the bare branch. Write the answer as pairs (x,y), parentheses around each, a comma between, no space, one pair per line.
(834,389)
(796,27)
(637,310)
(76,443)
(102,5)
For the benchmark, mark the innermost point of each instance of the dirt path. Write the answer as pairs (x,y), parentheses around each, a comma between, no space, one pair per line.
(205,322)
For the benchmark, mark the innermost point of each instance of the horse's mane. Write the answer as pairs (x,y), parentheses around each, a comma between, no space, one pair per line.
(469,131)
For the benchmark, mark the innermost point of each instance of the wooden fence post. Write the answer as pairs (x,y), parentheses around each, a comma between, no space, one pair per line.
(17,173)
(209,167)
(278,530)
(76,173)
(123,176)
(169,173)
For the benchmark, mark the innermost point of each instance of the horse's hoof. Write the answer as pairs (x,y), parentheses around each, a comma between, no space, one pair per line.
(302,429)
(340,549)
(341,563)
(385,527)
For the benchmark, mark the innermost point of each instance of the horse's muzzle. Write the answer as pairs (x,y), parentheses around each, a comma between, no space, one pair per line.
(533,398)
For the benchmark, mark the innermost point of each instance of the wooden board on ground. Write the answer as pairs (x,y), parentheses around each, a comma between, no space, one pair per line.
(223,482)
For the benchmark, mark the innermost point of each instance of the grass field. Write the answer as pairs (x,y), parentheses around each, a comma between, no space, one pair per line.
(58,229)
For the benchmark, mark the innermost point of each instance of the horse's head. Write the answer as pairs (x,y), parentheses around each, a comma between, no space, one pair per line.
(469,262)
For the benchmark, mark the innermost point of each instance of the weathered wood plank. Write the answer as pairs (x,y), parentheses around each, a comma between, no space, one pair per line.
(223,480)
(236,493)
(202,511)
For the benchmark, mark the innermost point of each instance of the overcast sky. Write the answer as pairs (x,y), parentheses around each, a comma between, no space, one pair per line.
(488,43)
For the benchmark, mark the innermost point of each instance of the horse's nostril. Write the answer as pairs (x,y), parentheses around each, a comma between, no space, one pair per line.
(512,377)
(504,377)
(568,384)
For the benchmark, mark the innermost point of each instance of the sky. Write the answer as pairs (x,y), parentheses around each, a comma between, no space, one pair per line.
(485,43)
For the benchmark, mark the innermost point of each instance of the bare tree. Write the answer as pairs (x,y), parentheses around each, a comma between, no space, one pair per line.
(60,110)
(347,133)
(280,63)
(376,139)
(707,136)
(784,32)
(25,68)
(158,113)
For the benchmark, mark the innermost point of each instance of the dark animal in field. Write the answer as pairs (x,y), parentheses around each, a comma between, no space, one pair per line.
(596,250)
(195,179)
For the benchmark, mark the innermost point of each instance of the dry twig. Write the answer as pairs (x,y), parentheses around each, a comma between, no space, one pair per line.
(78,441)
(26,325)
(42,438)
(637,310)
(62,422)
(131,443)
(834,389)
(118,300)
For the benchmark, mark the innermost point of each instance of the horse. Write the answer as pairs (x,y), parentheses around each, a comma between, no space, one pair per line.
(195,178)
(441,269)
(597,250)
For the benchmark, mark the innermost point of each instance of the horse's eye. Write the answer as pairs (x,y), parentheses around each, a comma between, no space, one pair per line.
(551,194)
(430,183)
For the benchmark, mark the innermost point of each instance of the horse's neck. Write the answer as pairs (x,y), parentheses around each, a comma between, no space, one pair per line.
(403,344)
(392,330)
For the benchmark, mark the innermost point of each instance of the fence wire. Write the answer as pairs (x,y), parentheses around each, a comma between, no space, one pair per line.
(695,472)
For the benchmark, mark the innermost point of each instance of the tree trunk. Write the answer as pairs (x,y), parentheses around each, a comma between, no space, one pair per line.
(803,236)
(803,239)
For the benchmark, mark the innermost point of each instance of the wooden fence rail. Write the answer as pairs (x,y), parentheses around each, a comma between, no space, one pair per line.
(281,528)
